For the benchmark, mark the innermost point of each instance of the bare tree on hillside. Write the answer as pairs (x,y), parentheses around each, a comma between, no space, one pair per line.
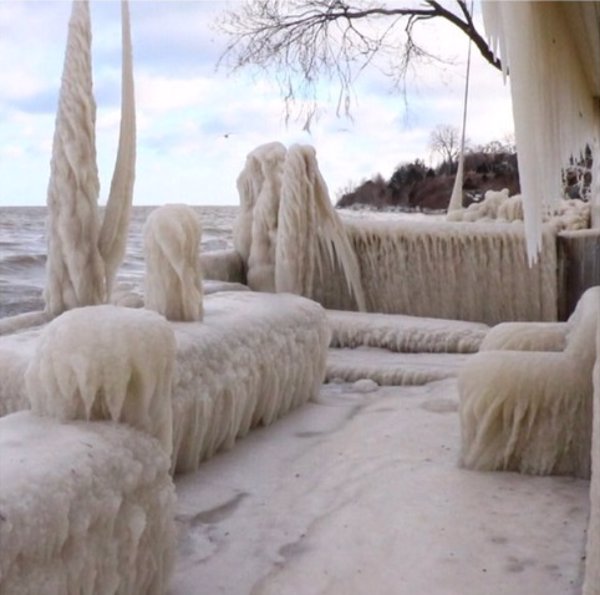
(445,142)
(302,42)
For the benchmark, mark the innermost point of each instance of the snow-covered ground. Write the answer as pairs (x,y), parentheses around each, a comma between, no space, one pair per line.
(360,492)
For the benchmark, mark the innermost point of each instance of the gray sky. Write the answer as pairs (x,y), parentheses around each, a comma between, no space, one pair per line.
(195,124)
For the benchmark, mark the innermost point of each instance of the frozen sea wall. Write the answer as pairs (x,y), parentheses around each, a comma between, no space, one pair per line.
(477,272)
(254,357)
(87,509)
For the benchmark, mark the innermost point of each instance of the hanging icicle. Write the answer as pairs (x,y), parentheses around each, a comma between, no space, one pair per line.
(552,96)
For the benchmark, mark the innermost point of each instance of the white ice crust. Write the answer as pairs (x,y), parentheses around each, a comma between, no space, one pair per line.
(397,332)
(287,231)
(531,411)
(74,269)
(86,508)
(105,362)
(82,258)
(173,280)
(253,358)
(477,272)
(113,235)
(571,215)
(391,369)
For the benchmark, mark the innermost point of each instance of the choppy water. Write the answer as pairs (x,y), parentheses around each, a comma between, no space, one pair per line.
(23,251)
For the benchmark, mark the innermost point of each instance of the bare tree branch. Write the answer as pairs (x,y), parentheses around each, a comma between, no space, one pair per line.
(301,42)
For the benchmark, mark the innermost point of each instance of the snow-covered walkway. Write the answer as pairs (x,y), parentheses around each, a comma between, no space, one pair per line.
(360,493)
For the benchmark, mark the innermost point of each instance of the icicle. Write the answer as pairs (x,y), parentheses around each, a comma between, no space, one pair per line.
(113,235)
(552,97)
(74,271)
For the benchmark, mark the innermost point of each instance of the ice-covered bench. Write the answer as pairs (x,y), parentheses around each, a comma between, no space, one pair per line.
(527,410)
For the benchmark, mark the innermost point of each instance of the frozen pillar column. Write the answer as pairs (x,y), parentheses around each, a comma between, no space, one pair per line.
(173,282)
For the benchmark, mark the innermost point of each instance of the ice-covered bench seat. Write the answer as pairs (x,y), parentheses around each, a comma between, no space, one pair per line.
(85,507)
(531,411)
(254,357)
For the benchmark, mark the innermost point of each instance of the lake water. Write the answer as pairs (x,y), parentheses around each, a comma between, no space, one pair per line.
(23,251)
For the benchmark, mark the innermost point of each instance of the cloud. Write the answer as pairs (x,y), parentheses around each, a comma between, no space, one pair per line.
(195,124)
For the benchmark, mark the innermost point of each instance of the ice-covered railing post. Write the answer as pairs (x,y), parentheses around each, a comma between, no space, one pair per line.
(74,270)
(173,281)
(82,259)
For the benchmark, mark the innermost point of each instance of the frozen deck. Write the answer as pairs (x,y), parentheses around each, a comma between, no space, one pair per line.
(360,493)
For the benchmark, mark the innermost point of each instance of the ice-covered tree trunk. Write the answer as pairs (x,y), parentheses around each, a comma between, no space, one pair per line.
(74,270)
(113,235)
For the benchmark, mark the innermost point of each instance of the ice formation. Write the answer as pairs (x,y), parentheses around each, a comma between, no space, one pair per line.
(526,336)
(591,584)
(570,214)
(74,270)
(113,234)
(254,357)
(86,508)
(531,411)
(259,186)
(223,265)
(105,362)
(16,351)
(173,281)
(287,231)
(13,324)
(311,238)
(387,368)
(82,258)
(477,272)
(404,333)
(551,51)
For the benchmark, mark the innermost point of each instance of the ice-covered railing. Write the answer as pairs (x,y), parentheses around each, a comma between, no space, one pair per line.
(476,272)
(293,241)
